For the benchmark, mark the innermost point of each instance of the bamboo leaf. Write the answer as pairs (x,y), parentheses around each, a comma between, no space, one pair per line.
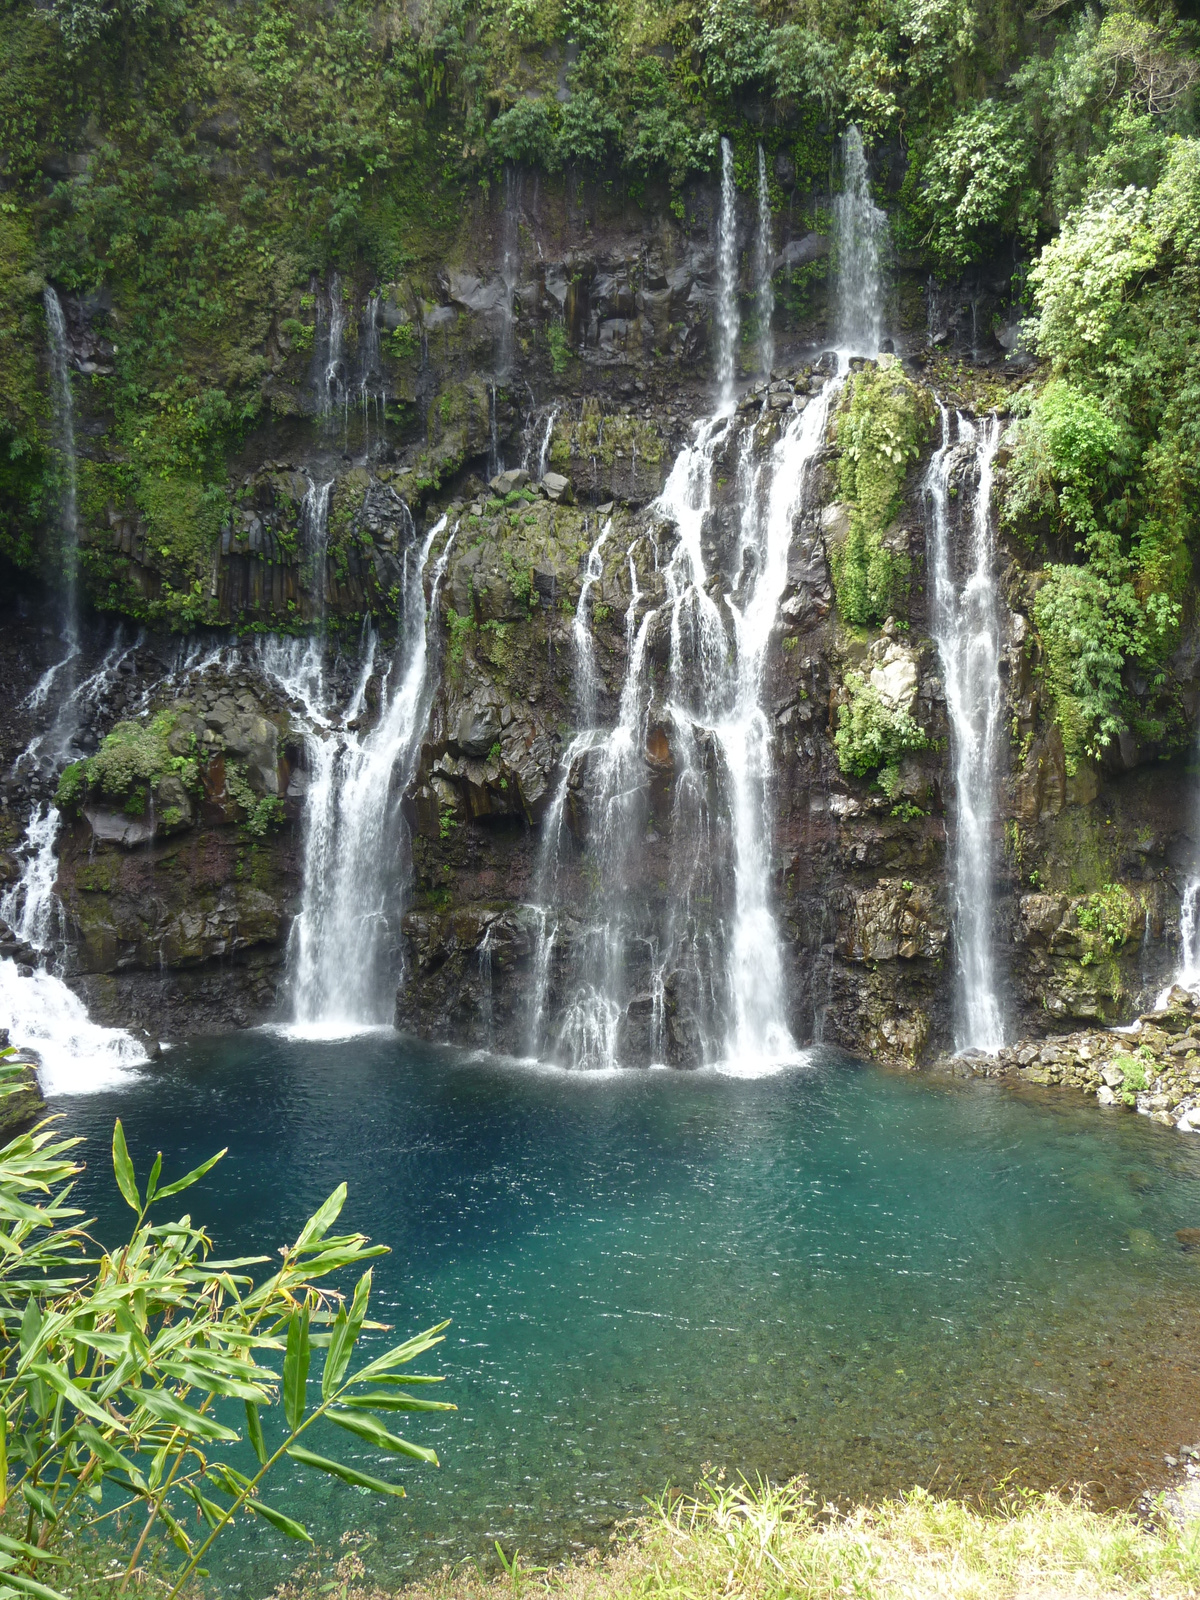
(109,1456)
(123,1167)
(29,1552)
(167,1408)
(56,1379)
(40,1501)
(375,1401)
(374,1432)
(255,1434)
(346,1330)
(295,1368)
(31,1324)
(360,1480)
(399,1354)
(152,1180)
(192,1177)
(294,1530)
(32,1586)
(319,1224)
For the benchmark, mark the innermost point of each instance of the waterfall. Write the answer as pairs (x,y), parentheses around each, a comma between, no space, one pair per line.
(727,307)
(764,260)
(341,957)
(1189,946)
(702,960)
(966,629)
(581,632)
(1187,968)
(314,535)
(510,266)
(331,391)
(75,1055)
(538,466)
(860,230)
(495,459)
(370,369)
(687,964)
(63,412)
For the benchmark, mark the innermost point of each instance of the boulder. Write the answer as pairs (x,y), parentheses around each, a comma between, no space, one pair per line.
(557,488)
(506,483)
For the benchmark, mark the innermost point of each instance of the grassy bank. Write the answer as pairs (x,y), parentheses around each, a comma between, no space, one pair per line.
(773,1543)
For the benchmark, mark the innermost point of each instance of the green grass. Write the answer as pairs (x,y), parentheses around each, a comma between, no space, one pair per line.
(774,1543)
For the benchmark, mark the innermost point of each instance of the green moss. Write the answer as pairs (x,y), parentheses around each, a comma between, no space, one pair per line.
(883,423)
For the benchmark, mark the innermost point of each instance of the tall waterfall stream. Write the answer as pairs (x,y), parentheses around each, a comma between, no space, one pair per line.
(966,627)
(701,968)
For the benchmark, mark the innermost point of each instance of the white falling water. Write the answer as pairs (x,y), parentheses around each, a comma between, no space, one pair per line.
(1187,966)
(543,457)
(314,532)
(75,1055)
(861,232)
(371,394)
(29,905)
(707,960)
(342,972)
(63,412)
(966,628)
(510,267)
(331,387)
(1187,970)
(587,685)
(727,307)
(764,260)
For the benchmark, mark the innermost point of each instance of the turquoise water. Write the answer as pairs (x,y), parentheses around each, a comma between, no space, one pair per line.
(875,1279)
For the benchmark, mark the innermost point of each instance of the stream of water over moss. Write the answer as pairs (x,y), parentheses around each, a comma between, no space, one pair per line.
(876,1279)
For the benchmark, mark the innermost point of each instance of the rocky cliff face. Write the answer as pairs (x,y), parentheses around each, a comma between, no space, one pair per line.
(402,402)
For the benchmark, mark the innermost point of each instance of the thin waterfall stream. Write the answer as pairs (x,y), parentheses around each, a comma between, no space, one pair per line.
(966,628)
(764,266)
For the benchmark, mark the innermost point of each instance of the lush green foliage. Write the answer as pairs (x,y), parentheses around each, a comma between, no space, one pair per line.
(202,171)
(873,735)
(1107,454)
(882,426)
(118,1371)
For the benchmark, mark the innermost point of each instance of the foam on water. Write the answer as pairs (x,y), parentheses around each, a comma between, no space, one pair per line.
(75,1055)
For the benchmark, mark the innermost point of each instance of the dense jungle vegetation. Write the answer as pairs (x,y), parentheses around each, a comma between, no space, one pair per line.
(191,165)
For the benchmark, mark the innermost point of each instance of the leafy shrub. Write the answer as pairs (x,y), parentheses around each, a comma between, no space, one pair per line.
(1134,1080)
(975,183)
(526,132)
(131,758)
(111,1367)
(587,129)
(1082,277)
(733,40)
(872,735)
(83,22)
(302,334)
(560,348)
(1112,913)
(1094,617)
